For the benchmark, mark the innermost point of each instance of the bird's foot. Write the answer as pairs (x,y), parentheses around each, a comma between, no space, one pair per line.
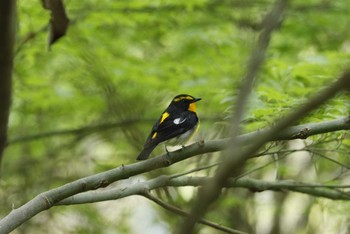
(167,156)
(166,150)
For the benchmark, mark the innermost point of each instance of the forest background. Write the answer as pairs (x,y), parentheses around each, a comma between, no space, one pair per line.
(84,103)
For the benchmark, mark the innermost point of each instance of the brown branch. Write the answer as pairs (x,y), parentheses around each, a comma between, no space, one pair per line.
(178,211)
(59,20)
(30,36)
(7,37)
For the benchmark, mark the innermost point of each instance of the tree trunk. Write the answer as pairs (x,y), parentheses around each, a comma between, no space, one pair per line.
(7,36)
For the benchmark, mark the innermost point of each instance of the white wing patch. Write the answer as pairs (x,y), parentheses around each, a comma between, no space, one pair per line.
(178,121)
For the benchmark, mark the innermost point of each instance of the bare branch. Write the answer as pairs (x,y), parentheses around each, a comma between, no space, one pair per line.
(271,22)
(318,190)
(238,156)
(49,198)
(59,20)
(233,166)
(183,213)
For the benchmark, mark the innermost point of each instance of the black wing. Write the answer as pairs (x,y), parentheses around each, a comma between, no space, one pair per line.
(167,127)
(171,127)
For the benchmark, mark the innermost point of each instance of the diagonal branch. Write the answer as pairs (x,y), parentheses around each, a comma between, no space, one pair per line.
(49,198)
(183,213)
(235,162)
(271,22)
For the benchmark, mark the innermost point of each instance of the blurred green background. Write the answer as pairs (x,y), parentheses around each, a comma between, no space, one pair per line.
(88,104)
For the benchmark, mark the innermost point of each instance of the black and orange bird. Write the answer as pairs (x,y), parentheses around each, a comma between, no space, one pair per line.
(176,125)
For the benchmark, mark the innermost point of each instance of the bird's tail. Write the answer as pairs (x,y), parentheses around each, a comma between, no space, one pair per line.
(146,152)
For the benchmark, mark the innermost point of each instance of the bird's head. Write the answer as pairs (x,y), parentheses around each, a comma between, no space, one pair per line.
(185,102)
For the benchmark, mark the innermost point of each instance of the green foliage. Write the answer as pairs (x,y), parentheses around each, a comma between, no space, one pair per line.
(125,60)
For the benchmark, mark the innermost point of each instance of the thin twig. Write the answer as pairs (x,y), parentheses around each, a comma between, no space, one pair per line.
(197,169)
(178,211)
(86,130)
(330,159)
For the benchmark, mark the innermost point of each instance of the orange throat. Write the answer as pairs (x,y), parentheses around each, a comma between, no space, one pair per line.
(192,107)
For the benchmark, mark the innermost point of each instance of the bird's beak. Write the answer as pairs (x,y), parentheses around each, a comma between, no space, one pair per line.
(197,99)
